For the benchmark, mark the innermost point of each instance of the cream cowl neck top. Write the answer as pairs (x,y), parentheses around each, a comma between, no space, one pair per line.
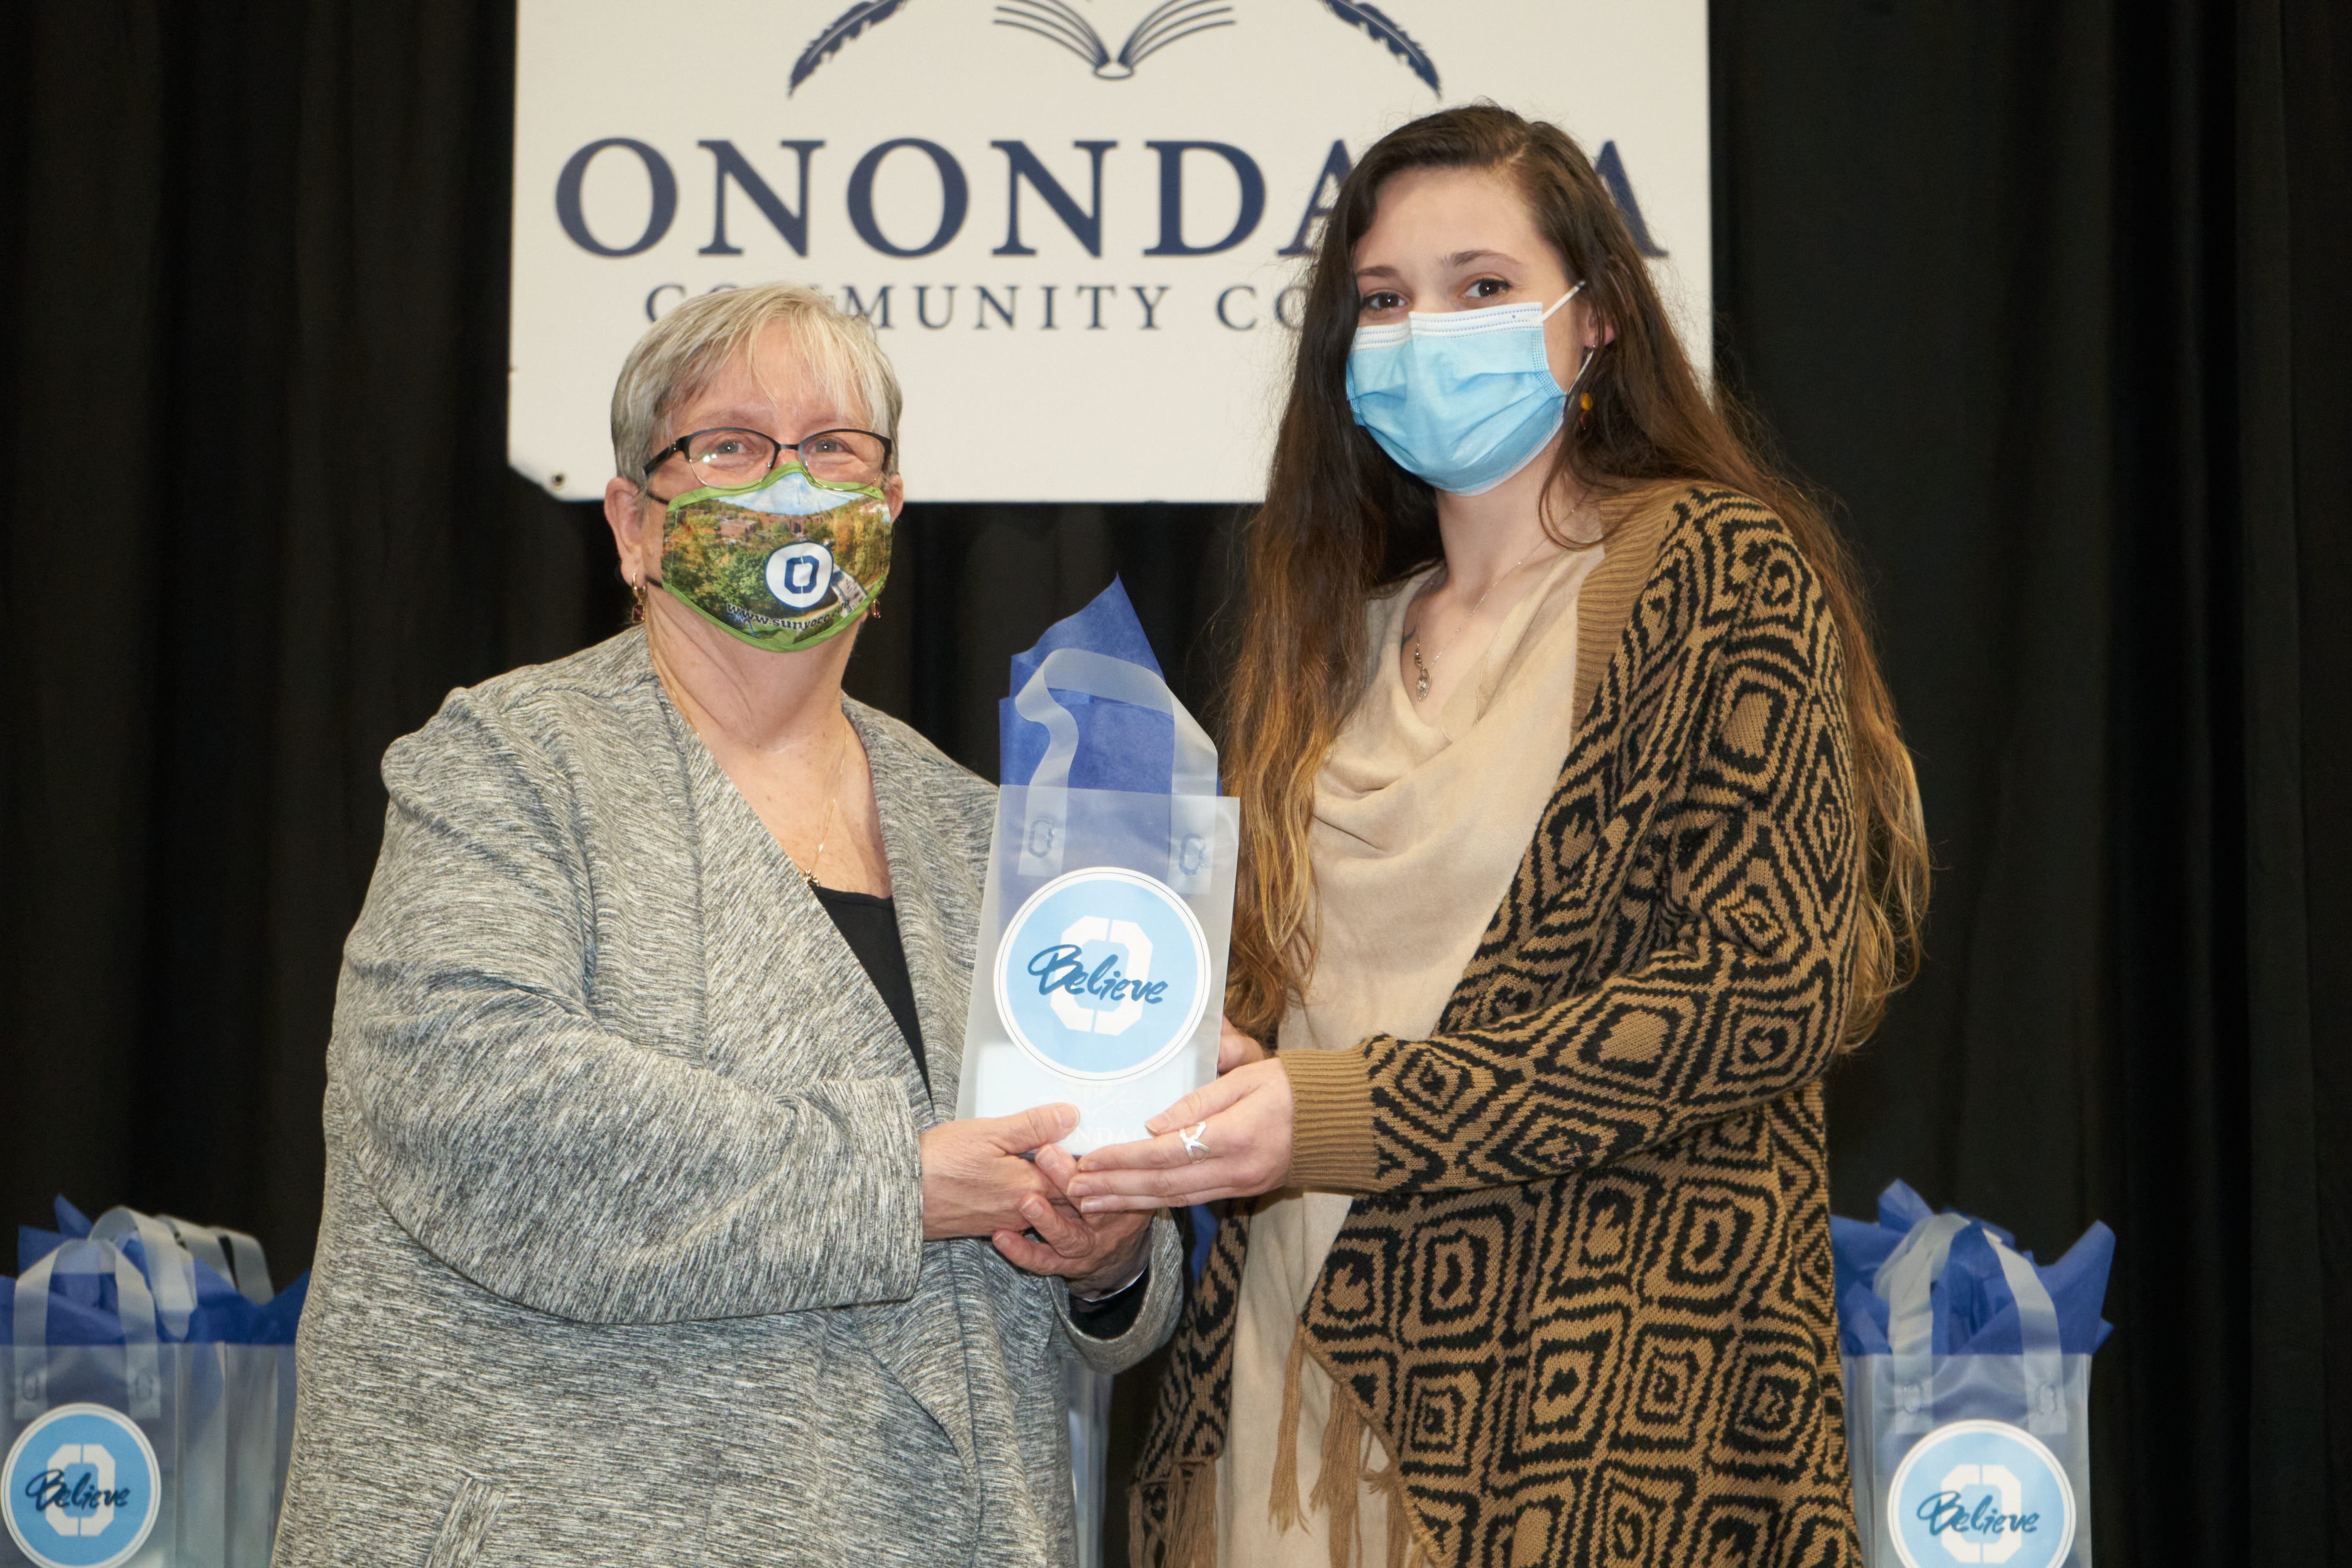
(1421,822)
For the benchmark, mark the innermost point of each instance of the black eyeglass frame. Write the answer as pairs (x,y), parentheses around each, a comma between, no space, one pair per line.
(678,448)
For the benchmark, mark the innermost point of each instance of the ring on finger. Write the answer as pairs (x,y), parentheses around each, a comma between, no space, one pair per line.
(1195,1150)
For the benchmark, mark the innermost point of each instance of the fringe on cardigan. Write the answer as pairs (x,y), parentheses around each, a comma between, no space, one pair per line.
(1346,1470)
(1187,1537)
(1187,1534)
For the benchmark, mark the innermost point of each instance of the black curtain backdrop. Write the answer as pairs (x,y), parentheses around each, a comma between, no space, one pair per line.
(2051,296)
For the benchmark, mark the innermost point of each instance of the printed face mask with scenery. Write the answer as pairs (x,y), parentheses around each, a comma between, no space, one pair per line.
(781,564)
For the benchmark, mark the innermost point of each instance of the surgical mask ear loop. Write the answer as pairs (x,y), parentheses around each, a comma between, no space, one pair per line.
(1563,300)
(1585,407)
(1580,369)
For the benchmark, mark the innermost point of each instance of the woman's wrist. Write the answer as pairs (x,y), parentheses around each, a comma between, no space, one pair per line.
(1133,1275)
(1330,1121)
(1111,1315)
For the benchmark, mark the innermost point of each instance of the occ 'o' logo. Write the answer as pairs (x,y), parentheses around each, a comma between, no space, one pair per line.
(1982,1492)
(1102,973)
(800,576)
(82,1489)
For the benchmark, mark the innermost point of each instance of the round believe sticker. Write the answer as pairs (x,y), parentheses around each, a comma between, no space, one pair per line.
(1102,973)
(83,1487)
(1982,1492)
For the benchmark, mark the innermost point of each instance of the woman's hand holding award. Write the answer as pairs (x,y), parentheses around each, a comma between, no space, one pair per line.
(1103,938)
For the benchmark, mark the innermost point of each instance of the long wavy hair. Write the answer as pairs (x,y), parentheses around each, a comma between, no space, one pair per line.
(1342,522)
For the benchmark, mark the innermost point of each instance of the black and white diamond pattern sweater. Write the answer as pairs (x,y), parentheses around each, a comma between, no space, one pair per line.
(1585,1298)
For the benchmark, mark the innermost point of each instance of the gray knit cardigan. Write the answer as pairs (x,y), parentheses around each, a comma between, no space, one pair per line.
(621,1258)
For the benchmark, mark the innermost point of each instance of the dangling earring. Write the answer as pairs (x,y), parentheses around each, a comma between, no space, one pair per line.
(1583,410)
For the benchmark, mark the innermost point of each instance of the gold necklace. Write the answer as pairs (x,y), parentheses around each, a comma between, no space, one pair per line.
(1421,686)
(839,758)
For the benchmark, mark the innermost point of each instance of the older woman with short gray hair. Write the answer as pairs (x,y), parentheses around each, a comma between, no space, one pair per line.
(647,1237)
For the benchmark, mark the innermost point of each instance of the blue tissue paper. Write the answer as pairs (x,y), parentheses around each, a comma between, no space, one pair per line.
(73,1318)
(34,1244)
(1862,1321)
(1120,746)
(1973,1310)
(83,1309)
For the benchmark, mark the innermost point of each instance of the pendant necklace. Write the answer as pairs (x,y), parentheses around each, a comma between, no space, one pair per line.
(1421,685)
(839,758)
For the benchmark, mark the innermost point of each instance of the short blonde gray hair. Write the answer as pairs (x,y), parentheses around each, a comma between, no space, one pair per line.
(681,354)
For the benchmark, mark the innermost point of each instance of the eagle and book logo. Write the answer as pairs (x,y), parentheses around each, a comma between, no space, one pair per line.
(1069,28)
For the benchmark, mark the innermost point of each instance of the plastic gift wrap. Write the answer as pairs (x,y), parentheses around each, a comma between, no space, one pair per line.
(1968,1378)
(1101,963)
(148,1393)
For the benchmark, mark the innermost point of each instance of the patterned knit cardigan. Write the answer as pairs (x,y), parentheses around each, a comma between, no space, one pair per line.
(1585,1299)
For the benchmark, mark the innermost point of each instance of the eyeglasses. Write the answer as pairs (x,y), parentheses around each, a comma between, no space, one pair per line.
(728,457)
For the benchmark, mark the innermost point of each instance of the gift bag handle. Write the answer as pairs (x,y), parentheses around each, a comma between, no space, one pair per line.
(1904,1278)
(134,1308)
(171,1269)
(233,1255)
(1904,1281)
(1193,778)
(2037,1323)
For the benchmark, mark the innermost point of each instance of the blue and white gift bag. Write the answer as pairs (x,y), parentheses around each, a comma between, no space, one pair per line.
(146,1395)
(1100,975)
(1968,1379)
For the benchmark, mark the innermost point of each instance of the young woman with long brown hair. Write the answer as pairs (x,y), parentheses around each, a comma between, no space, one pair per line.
(1581,838)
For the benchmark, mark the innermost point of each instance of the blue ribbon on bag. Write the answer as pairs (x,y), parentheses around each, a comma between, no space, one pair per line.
(1975,1312)
(84,1308)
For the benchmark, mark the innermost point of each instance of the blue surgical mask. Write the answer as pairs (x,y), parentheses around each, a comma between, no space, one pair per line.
(1463,398)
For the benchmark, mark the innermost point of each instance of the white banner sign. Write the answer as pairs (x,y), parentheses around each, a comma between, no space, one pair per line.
(1078,225)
